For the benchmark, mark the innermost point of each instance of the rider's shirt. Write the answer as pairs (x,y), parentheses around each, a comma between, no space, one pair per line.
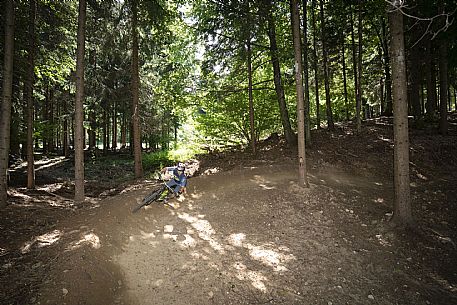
(178,176)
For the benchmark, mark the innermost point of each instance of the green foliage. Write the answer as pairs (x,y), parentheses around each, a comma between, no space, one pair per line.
(223,103)
(156,160)
(159,159)
(183,153)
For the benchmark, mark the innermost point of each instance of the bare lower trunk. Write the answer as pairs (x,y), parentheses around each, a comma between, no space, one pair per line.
(295,21)
(5,107)
(402,211)
(251,99)
(135,98)
(91,131)
(66,149)
(79,105)
(386,63)
(114,128)
(124,130)
(29,98)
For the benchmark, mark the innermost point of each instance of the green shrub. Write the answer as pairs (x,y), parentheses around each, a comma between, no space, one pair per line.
(157,160)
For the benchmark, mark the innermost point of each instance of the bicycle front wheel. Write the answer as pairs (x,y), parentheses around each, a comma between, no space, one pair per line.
(153,196)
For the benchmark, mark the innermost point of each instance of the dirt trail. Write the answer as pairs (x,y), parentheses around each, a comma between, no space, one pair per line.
(249,236)
(211,247)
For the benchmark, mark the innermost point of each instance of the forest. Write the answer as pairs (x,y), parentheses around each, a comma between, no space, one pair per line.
(329,123)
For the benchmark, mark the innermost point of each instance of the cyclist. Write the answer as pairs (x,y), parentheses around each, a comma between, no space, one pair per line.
(177,184)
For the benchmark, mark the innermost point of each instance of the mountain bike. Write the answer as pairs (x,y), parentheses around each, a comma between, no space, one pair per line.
(157,194)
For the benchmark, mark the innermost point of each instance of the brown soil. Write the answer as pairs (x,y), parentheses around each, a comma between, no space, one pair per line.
(245,233)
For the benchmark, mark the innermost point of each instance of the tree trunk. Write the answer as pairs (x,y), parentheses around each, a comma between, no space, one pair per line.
(105,131)
(29,97)
(316,70)
(328,102)
(51,133)
(135,96)
(251,99)
(345,87)
(295,22)
(305,73)
(45,116)
(124,130)
(381,94)
(444,87)
(66,148)
(402,211)
(5,114)
(414,74)
(359,69)
(430,105)
(414,63)
(114,128)
(288,134)
(455,99)
(354,60)
(93,130)
(79,105)
(388,111)
(248,38)
(58,125)
(93,127)
(15,119)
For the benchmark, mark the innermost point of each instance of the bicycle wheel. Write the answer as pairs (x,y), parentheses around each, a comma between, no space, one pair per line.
(154,195)
(137,207)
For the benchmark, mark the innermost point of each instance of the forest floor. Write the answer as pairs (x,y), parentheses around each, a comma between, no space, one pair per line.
(245,233)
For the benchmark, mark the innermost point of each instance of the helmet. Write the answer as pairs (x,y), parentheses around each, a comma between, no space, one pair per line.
(181,166)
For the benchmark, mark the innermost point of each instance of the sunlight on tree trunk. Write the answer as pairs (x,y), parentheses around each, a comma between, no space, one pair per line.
(402,211)
(5,114)
(249,70)
(295,22)
(315,67)
(79,105)
(251,99)
(305,74)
